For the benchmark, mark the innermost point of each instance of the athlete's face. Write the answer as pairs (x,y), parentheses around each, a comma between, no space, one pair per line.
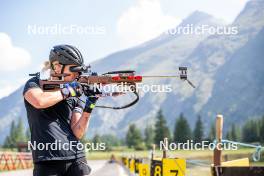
(57,67)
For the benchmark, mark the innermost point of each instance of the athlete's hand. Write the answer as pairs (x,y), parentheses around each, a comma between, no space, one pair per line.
(91,91)
(73,89)
(90,103)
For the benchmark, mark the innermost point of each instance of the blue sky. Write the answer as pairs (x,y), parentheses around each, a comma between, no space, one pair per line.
(113,25)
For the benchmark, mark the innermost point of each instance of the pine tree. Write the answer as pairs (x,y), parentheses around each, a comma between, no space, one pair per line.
(149,136)
(20,132)
(261,130)
(110,140)
(84,140)
(234,132)
(198,132)
(133,137)
(28,134)
(16,134)
(228,135)
(182,130)
(212,135)
(96,139)
(250,131)
(10,139)
(161,129)
(7,142)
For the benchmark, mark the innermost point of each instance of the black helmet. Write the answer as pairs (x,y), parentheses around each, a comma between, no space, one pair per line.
(66,55)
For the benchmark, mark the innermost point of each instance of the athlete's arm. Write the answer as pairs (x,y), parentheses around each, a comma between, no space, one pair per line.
(80,123)
(80,117)
(39,99)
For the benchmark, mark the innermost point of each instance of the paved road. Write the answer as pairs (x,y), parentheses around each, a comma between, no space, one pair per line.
(112,169)
(102,168)
(99,168)
(26,172)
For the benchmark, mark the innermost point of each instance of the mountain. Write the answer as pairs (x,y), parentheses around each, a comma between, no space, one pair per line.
(216,57)
(162,55)
(11,108)
(242,76)
(226,69)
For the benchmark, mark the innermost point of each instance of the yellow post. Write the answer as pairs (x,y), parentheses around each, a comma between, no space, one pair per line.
(143,169)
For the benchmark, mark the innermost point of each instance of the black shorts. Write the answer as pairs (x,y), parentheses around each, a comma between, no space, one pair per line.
(77,167)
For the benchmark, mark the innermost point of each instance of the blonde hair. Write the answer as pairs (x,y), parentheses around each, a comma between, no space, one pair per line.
(46,66)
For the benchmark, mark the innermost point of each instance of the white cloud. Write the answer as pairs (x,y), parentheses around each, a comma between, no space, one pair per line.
(12,57)
(143,21)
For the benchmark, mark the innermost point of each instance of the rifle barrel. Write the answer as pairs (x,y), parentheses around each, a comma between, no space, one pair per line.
(161,76)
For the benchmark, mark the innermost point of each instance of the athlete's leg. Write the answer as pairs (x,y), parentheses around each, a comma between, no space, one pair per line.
(79,167)
(49,168)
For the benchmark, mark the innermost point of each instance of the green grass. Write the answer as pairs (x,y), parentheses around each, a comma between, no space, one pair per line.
(188,154)
(177,153)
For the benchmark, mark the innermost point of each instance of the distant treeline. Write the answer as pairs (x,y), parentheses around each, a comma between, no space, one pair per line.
(251,131)
(17,134)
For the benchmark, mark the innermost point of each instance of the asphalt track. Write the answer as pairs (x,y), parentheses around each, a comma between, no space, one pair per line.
(99,168)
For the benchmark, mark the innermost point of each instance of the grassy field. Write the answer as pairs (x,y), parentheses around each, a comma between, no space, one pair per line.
(190,154)
(205,155)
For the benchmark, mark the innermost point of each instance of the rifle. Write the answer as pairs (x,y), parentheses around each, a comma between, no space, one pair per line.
(88,79)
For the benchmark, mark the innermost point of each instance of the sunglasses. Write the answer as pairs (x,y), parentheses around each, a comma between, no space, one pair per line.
(82,68)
